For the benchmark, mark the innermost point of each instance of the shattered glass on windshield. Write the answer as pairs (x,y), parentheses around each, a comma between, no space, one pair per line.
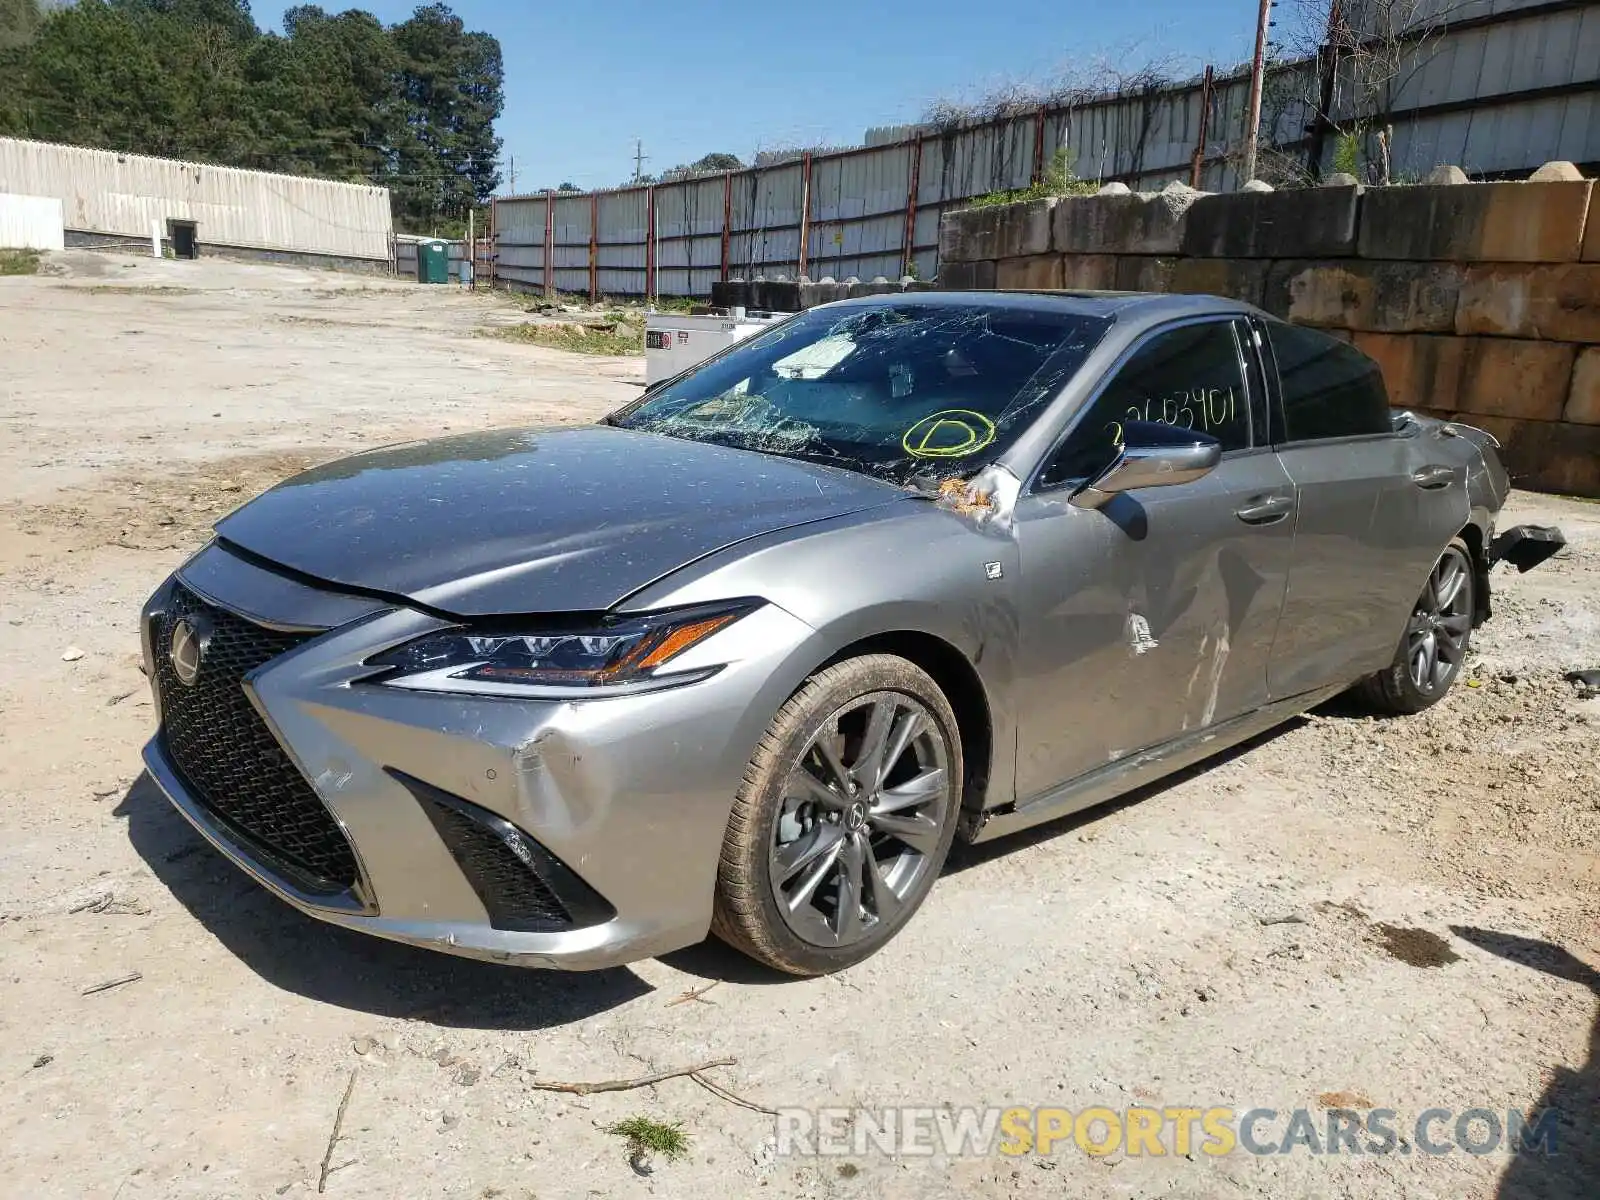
(896,390)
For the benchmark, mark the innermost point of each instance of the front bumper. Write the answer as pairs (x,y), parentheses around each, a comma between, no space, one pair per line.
(630,794)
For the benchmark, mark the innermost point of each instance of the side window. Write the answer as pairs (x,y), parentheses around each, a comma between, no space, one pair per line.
(1190,377)
(1329,389)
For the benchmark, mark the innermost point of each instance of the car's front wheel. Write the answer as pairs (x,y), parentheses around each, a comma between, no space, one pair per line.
(844,819)
(1434,646)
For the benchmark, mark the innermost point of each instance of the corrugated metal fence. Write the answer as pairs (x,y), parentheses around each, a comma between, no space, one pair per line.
(104,192)
(1504,87)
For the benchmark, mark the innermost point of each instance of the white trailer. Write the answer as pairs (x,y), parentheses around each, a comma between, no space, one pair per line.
(675,342)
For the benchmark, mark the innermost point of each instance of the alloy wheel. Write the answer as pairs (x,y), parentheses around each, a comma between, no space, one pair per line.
(1436,637)
(864,811)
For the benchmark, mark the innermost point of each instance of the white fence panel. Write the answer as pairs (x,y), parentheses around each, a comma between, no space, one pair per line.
(31,223)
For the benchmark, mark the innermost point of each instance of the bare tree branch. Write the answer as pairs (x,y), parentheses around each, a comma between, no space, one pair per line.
(1365,54)
(623,1085)
(333,1137)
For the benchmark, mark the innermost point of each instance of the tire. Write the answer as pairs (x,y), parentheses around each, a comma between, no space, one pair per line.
(799,834)
(1409,684)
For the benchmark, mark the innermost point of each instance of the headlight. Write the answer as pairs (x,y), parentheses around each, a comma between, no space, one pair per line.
(621,653)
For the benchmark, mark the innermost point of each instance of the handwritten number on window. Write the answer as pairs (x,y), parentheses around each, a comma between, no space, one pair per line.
(1209,409)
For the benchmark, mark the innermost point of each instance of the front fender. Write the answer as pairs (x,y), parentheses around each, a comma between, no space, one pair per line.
(913,567)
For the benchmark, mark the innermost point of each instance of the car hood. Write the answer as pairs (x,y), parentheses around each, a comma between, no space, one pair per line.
(534,520)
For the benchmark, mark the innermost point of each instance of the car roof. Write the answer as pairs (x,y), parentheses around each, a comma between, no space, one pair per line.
(1144,307)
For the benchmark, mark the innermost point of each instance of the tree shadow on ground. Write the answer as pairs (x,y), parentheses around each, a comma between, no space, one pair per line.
(353,970)
(1572,1172)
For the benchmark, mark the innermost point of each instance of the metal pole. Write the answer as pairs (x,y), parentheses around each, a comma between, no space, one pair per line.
(908,254)
(650,245)
(472,251)
(1198,165)
(594,247)
(727,220)
(1328,66)
(1257,69)
(805,212)
(1038,148)
(549,245)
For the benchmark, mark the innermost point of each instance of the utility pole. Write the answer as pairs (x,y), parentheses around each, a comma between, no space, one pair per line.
(639,159)
(1252,135)
(511,176)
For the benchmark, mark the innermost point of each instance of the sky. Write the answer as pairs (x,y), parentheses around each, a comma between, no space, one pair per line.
(583,78)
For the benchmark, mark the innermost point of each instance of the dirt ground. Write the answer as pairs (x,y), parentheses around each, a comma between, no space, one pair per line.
(1346,913)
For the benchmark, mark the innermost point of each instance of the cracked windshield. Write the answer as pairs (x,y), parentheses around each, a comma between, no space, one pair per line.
(916,389)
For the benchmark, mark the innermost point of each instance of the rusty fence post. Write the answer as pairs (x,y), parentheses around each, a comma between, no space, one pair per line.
(805,211)
(908,256)
(727,220)
(1038,148)
(492,257)
(650,265)
(1197,164)
(594,247)
(549,245)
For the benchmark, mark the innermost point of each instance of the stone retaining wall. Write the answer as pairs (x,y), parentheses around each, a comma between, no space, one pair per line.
(1477,299)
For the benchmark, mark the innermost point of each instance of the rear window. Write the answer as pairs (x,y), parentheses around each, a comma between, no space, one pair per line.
(1330,389)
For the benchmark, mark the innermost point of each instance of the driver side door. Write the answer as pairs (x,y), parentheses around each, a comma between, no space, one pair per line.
(1153,615)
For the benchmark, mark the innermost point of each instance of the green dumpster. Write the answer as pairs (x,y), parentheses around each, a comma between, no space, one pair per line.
(433,261)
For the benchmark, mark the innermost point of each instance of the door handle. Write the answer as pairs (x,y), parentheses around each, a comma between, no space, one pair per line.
(1433,477)
(1265,510)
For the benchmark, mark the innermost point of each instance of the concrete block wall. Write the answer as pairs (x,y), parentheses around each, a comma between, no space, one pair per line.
(1478,300)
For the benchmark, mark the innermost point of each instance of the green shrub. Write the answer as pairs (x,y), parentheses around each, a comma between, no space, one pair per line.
(1347,154)
(1058,180)
(19,262)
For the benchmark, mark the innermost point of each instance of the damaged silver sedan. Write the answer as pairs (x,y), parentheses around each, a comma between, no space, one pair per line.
(750,654)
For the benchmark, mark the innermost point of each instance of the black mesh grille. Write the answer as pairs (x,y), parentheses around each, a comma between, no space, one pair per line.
(514,897)
(227,755)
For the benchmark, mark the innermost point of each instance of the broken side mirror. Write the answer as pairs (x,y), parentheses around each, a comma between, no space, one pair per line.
(1152,455)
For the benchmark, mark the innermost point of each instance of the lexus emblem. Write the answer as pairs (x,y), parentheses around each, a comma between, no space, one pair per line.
(187,648)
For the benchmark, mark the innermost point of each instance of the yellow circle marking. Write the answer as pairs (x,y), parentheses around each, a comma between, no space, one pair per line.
(952,433)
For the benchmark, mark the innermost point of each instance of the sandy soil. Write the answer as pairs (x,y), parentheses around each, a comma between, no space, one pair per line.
(1346,913)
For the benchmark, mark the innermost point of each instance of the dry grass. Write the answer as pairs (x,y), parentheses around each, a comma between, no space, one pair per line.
(19,262)
(135,289)
(614,340)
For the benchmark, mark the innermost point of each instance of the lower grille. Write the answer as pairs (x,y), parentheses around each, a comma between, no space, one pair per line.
(229,759)
(522,886)
(513,896)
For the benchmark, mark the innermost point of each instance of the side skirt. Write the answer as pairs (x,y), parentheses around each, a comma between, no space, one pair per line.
(1117,778)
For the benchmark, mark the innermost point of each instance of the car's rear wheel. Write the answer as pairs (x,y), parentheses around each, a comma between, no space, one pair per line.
(1434,647)
(844,819)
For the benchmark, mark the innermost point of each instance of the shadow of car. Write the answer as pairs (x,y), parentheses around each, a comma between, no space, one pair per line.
(352,970)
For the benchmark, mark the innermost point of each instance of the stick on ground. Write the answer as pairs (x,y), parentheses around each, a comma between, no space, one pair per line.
(623,1085)
(694,994)
(723,1093)
(333,1138)
(130,977)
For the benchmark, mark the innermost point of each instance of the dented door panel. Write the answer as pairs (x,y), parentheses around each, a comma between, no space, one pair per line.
(1374,514)
(1147,618)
